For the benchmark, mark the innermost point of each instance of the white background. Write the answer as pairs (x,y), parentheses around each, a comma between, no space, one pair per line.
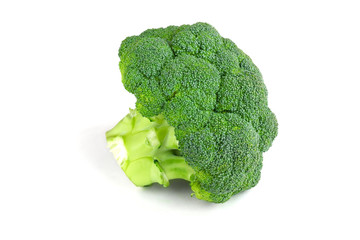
(60,90)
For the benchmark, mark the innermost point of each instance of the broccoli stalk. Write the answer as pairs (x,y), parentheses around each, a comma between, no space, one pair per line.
(147,150)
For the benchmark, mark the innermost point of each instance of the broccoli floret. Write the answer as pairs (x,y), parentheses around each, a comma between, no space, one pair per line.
(201,113)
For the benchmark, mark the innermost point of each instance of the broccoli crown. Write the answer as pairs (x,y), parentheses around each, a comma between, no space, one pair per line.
(213,95)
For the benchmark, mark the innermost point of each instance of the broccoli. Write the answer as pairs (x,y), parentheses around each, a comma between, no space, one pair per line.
(201,113)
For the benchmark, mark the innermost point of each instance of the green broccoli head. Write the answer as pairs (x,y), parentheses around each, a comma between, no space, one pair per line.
(211,98)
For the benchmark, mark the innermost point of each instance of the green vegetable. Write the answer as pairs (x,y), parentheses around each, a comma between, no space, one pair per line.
(201,112)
